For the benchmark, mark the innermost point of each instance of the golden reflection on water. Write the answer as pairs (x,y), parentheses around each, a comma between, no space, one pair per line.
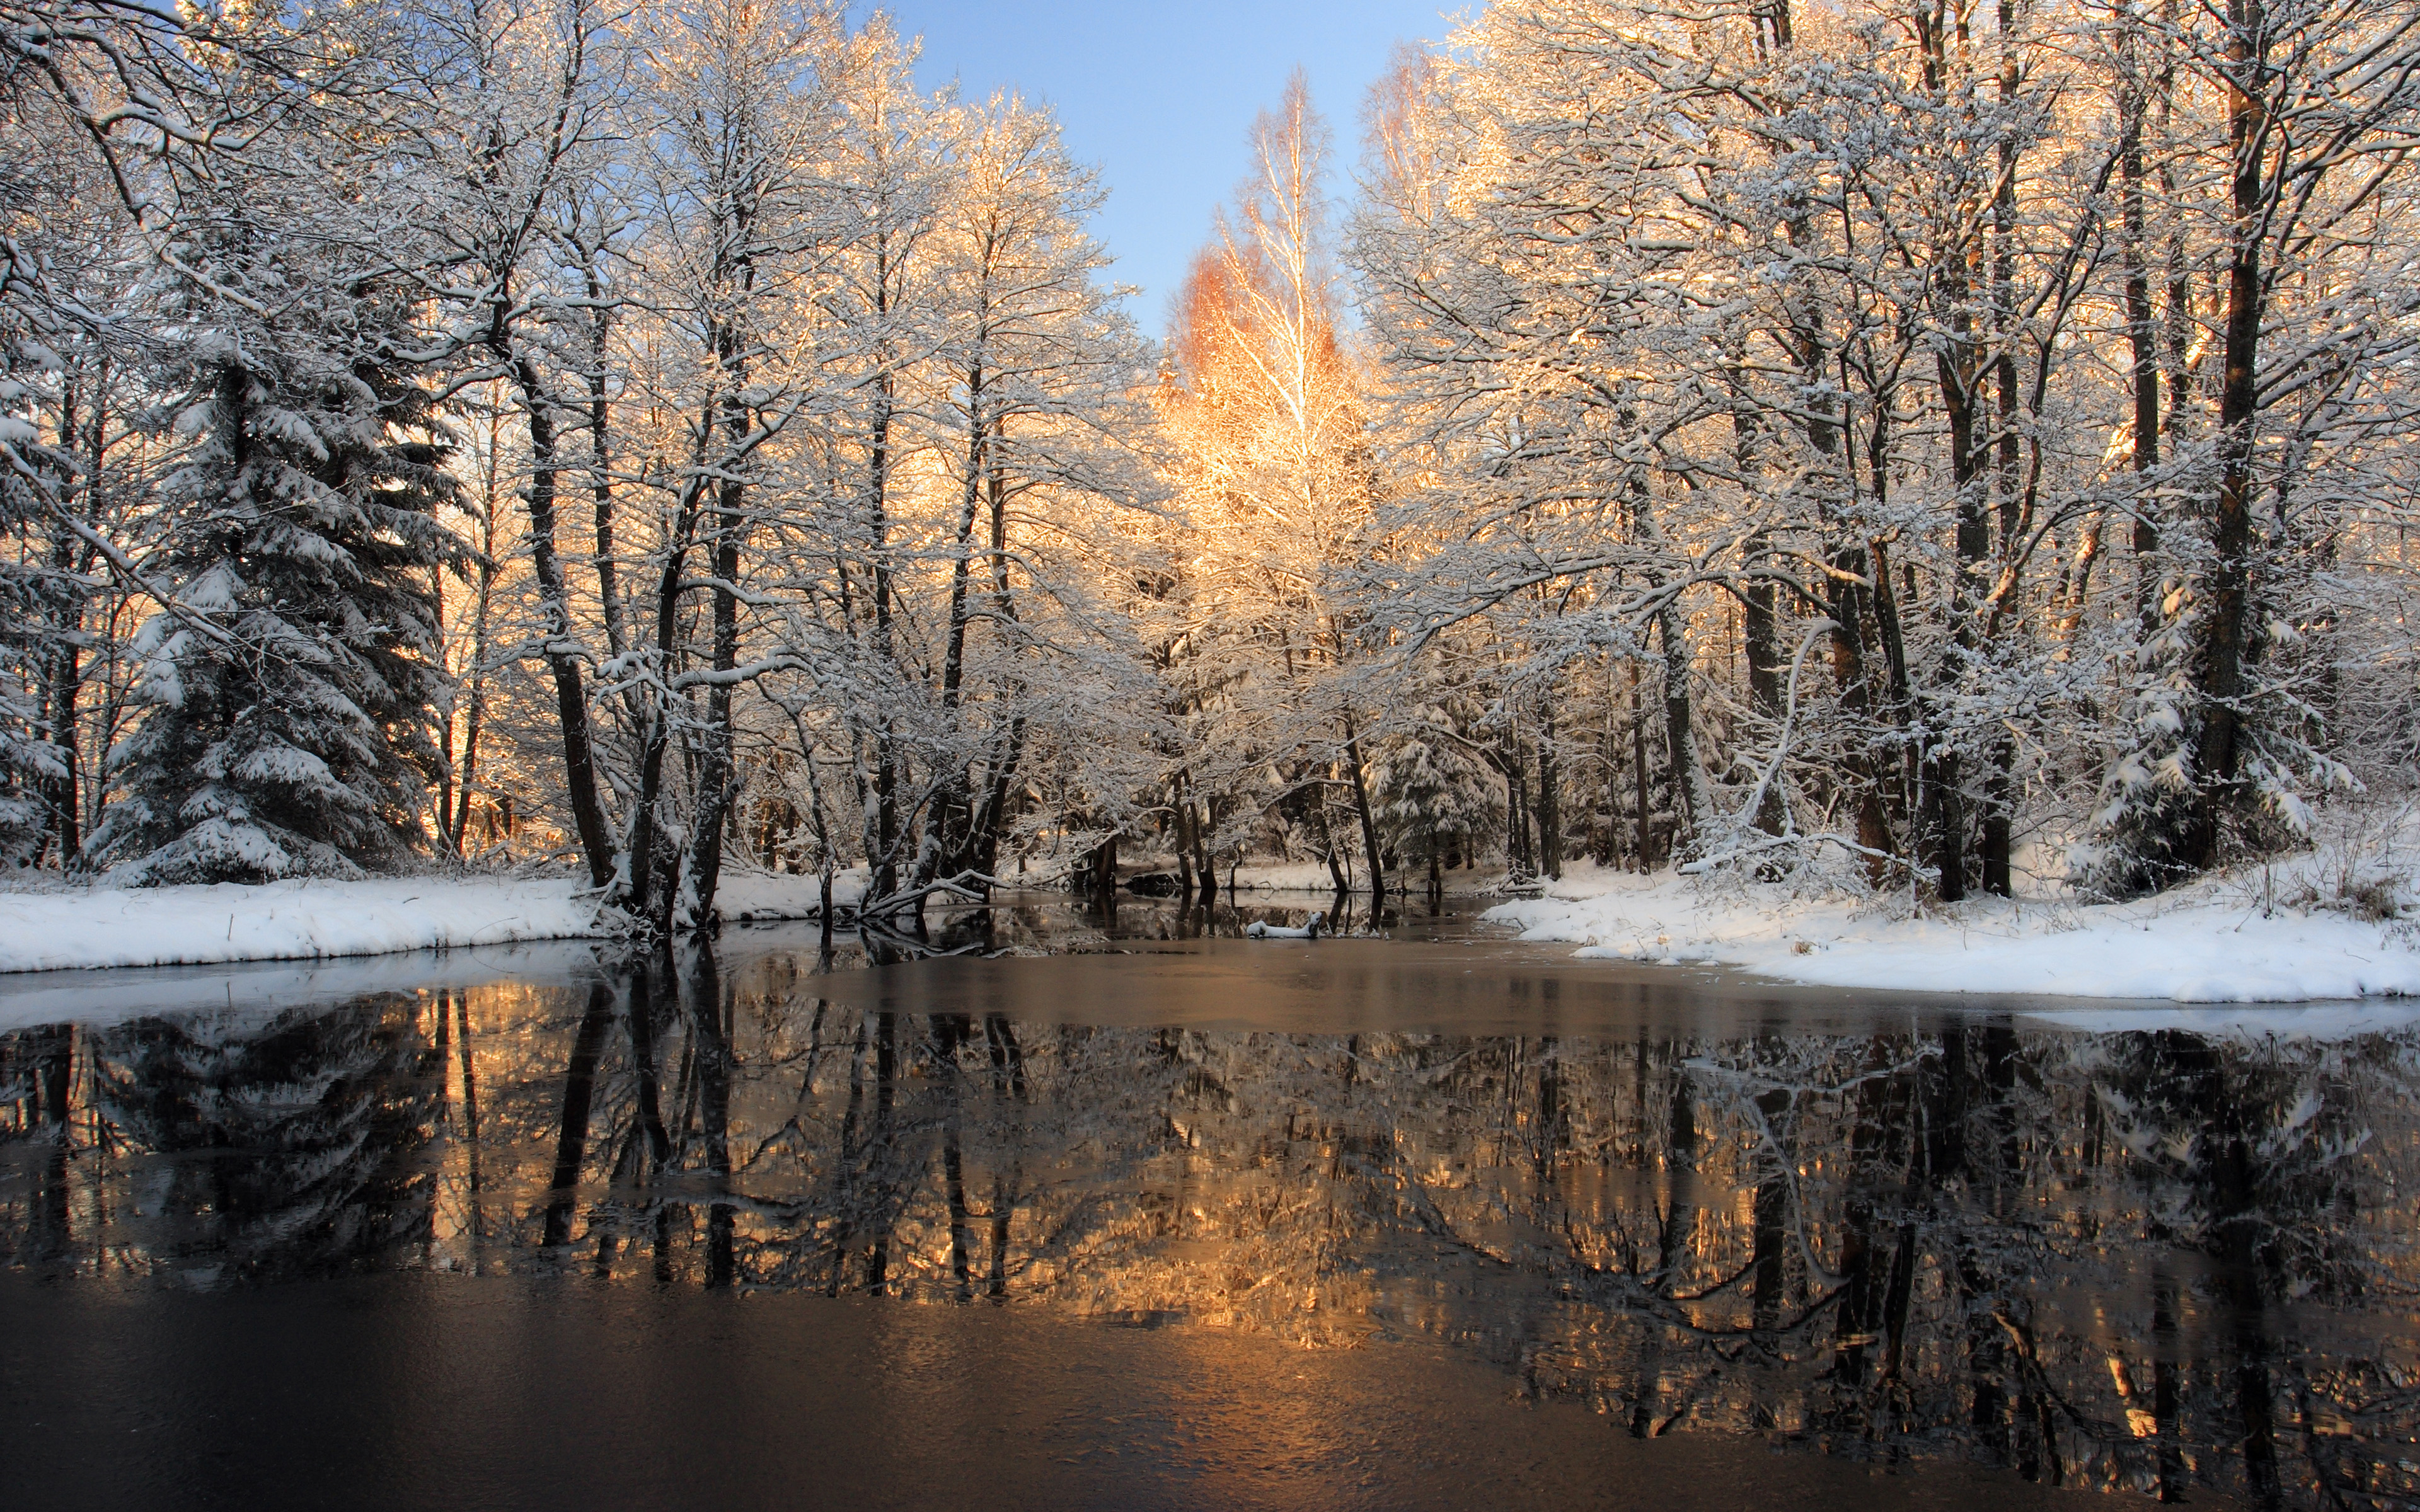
(2127,1260)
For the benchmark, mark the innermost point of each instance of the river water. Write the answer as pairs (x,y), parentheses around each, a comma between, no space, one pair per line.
(1168,1218)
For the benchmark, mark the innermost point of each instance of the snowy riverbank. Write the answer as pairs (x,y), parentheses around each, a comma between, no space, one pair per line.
(105,926)
(2225,940)
(81,928)
(2221,941)
(763,897)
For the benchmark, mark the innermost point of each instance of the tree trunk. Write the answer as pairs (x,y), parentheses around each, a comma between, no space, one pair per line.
(1850,675)
(2220,672)
(1550,801)
(1518,858)
(1639,776)
(1939,775)
(1680,731)
(645,860)
(1999,818)
(2140,339)
(1316,807)
(600,460)
(555,606)
(1760,631)
(953,817)
(1202,826)
(61,791)
(995,811)
(481,608)
(1369,824)
(718,781)
(881,851)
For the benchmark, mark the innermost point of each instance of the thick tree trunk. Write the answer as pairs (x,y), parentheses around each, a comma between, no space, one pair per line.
(718,781)
(555,606)
(1940,777)
(2140,339)
(1179,829)
(954,657)
(60,673)
(1759,628)
(1680,730)
(1998,829)
(718,776)
(646,844)
(2219,675)
(1851,677)
(996,801)
(600,466)
(1201,860)
(1999,819)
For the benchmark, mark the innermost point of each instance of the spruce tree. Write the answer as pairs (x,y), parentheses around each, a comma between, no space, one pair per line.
(294,690)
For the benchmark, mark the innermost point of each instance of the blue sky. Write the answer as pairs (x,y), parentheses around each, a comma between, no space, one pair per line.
(1159,96)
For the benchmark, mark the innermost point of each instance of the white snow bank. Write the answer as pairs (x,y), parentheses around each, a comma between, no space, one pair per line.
(1284,876)
(85,927)
(755,897)
(1288,876)
(2207,944)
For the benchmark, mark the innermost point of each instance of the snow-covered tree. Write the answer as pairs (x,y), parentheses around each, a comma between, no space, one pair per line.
(292,698)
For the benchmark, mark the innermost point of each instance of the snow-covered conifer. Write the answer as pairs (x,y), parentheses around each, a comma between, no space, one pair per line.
(291,697)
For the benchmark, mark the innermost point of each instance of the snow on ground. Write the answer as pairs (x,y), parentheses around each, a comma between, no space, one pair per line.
(103,926)
(64,928)
(2221,941)
(1265,876)
(1313,876)
(757,897)
(1282,876)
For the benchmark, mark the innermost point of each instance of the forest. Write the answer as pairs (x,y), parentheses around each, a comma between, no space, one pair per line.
(1910,445)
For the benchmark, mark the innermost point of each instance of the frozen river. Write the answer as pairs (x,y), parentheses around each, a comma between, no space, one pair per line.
(1173,1218)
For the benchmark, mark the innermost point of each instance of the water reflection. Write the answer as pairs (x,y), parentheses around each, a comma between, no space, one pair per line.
(2152,1261)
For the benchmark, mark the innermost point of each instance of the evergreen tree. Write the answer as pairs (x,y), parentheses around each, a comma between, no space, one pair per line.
(294,693)
(1434,795)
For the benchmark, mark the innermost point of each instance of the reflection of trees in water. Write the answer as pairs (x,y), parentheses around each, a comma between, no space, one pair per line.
(2151,1260)
(290,1148)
